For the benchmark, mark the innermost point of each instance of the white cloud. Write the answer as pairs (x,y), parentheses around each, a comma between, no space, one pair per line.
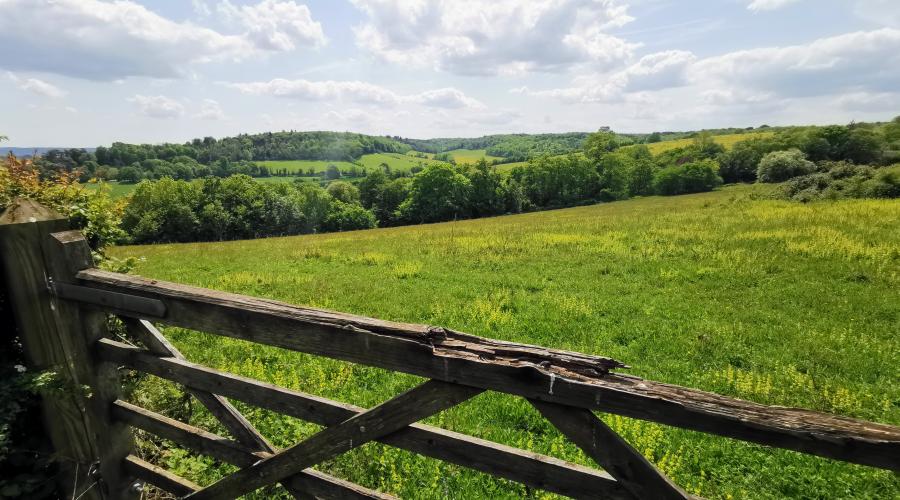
(211,110)
(494,37)
(444,98)
(861,62)
(869,102)
(321,90)
(879,12)
(276,25)
(655,71)
(355,91)
(761,5)
(100,40)
(158,106)
(201,8)
(37,87)
(864,59)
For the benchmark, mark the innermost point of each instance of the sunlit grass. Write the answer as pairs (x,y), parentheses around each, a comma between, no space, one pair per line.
(772,301)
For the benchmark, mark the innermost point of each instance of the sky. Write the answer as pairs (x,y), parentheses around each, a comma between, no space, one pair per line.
(89,72)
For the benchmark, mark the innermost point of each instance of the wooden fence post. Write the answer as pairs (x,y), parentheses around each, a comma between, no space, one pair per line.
(37,252)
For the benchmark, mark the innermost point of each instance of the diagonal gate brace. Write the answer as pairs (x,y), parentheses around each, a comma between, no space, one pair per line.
(420,402)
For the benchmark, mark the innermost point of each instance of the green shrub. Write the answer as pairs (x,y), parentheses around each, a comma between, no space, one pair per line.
(343,191)
(347,217)
(694,177)
(779,166)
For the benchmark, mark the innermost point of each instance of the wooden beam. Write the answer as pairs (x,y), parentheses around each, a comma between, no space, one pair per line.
(310,483)
(159,477)
(409,407)
(532,469)
(547,375)
(611,452)
(224,411)
(37,252)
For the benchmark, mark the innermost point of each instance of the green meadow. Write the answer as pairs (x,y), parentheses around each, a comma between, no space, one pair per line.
(726,140)
(116,190)
(470,155)
(397,161)
(729,291)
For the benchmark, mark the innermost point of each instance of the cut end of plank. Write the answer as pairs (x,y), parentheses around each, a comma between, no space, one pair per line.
(25,211)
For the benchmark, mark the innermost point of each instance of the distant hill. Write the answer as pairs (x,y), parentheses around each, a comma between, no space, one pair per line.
(26,152)
(513,147)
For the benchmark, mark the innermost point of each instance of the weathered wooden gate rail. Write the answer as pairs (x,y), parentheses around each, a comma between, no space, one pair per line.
(565,387)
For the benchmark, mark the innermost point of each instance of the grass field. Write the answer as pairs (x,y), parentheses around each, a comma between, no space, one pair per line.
(726,140)
(772,301)
(301,166)
(116,190)
(470,155)
(397,161)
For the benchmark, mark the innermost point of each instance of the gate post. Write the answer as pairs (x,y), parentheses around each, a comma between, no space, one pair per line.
(38,251)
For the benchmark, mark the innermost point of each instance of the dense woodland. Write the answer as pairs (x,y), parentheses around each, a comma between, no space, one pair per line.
(204,191)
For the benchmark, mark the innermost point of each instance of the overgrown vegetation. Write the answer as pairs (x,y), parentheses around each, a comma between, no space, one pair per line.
(27,460)
(731,291)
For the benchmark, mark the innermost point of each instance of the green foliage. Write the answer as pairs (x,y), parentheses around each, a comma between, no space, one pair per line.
(343,191)
(844,180)
(238,207)
(779,166)
(27,461)
(615,171)
(437,193)
(694,177)
(344,216)
(599,144)
(740,163)
(511,147)
(558,181)
(729,291)
(488,190)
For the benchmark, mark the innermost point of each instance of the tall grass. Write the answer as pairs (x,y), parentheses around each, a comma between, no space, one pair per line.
(772,301)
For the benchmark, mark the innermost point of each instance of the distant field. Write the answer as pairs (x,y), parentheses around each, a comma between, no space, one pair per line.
(397,161)
(302,166)
(116,190)
(727,141)
(772,301)
(471,155)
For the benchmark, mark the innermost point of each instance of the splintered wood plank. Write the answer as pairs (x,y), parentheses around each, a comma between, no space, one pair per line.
(312,483)
(420,402)
(612,452)
(532,469)
(533,372)
(159,477)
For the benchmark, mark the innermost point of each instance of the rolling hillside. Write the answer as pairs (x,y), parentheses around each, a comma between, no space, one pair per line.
(772,301)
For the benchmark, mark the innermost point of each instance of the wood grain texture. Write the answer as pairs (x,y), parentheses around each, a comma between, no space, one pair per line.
(532,469)
(56,335)
(543,374)
(611,452)
(159,477)
(66,253)
(308,483)
(409,407)
(224,411)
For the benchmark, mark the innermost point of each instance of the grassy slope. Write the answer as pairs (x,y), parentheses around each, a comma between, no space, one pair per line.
(471,155)
(772,301)
(726,140)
